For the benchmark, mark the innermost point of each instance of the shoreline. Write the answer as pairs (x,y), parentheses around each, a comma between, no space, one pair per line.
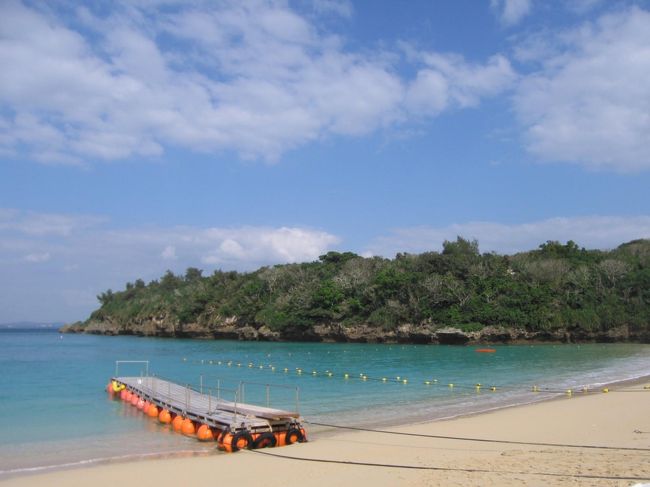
(319,435)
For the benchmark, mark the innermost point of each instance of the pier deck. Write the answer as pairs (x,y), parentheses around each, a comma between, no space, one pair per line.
(207,408)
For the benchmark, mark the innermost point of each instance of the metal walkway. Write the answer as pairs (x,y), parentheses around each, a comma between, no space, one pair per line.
(207,408)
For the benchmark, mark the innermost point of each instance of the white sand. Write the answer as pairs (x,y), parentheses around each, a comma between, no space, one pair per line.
(595,419)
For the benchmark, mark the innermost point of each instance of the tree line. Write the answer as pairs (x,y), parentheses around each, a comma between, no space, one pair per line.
(555,286)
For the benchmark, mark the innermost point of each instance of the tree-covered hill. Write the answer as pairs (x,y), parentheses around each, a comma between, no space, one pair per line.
(559,291)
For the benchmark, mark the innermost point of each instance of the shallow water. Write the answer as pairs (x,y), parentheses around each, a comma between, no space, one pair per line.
(55,410)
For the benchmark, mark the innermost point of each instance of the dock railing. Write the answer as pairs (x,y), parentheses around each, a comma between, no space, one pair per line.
(118,362)
(267,391)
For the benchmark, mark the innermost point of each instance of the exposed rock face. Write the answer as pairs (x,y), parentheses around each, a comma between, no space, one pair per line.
(230,328)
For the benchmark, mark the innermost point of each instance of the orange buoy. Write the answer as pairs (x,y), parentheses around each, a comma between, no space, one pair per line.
(152,412)
(164,417)
(141,403)
(177,423)
(134,400)
(485,350)
(145,407)
(123,394)
(204,433)
(236,442)
(188,427)
(128,396)
(281,438)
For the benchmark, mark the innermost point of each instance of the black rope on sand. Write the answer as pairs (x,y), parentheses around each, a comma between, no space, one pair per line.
(451,469)
(482,440)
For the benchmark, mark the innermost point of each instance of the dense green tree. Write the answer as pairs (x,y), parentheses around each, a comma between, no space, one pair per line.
(555,286)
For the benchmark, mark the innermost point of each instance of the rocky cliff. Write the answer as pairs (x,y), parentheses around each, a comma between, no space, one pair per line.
(231,328)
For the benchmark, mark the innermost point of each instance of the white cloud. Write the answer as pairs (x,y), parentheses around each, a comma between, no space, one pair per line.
(342,8)
(601,232)
(252,77)
(38,258)
(450,80)
(510,12)
(84,260)
(42,224)
(590,102)
(169,253)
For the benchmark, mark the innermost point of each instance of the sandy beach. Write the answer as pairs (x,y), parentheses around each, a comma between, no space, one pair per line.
(617,419)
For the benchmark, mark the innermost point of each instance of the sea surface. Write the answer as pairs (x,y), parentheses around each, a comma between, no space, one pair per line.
(55,411)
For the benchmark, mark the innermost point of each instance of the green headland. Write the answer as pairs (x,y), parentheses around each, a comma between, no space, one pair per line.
(558,292)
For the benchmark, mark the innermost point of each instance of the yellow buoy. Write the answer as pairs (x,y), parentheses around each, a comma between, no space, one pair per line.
(605,390)
(451,385)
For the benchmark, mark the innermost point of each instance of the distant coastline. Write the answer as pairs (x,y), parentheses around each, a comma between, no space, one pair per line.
(31,325)
(557,293)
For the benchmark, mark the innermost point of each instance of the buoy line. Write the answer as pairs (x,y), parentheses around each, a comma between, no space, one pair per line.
(481,440)
(452,469)
(478,387)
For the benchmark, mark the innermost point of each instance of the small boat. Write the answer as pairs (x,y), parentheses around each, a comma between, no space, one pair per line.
(485,350)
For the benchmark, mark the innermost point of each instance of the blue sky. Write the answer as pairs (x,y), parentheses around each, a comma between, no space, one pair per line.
(139,136)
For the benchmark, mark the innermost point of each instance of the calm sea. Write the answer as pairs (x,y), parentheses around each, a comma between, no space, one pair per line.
(55,411)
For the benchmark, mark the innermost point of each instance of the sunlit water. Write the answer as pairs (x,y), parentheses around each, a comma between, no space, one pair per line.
(55,410)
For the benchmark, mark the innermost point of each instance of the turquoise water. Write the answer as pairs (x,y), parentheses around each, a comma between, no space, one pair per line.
(55,411)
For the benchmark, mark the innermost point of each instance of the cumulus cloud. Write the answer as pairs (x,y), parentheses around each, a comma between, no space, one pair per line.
(601,232)
(589,103)
(255,77)
(82,259)
(448,80)
(510,12)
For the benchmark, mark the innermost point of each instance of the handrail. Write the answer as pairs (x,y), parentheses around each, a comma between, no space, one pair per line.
(118,362)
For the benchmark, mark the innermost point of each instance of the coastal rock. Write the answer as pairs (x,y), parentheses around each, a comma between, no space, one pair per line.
(452,336)
(231,328)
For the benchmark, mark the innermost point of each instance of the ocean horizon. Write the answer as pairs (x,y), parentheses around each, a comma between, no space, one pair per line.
(58,415)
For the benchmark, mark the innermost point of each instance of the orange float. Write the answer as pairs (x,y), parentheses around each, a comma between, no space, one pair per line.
(140,404)
(236,442)
(188,427)
(177,423)
(165,417)
(128,396)
(485,350)
(134,400)
(152,412)
(123,394)
(204,433)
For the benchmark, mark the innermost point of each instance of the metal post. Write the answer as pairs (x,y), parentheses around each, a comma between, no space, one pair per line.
(236,401)
(218,389)
(201,383)
(268,396)
(209,401)
(298,400)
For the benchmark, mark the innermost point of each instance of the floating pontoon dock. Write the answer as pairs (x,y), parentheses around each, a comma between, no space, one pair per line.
(247,423)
